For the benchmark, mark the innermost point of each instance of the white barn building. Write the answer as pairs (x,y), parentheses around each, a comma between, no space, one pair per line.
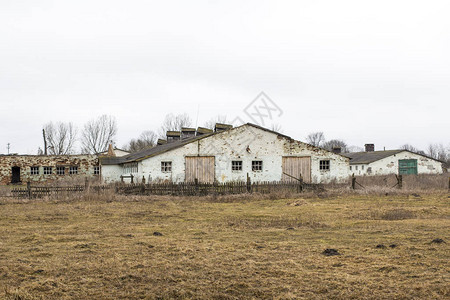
(386,162)
(228,154)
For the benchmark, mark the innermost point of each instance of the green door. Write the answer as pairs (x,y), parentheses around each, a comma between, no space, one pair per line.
(407,166)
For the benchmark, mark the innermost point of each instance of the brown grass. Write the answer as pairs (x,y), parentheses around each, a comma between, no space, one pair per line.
(229,247)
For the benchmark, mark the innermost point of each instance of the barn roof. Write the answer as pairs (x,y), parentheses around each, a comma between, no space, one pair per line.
(146,153)
(371,156)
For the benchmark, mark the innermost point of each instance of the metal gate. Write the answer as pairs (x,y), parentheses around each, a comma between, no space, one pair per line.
(296,166)
(200,168)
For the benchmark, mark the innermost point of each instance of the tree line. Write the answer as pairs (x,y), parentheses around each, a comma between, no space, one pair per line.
(436,151)
(98,133)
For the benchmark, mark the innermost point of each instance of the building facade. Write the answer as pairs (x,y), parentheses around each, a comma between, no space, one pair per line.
(16,169)
(229,154)
(392,162)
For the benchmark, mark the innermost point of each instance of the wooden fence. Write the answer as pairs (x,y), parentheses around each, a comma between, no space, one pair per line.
(179,189)
(202,189)
(42,191)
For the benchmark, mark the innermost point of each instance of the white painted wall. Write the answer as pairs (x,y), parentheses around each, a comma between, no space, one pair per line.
(245,143)
(389,165)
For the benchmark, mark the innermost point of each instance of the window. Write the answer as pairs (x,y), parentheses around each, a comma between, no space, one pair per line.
(73,170)
(130,168)
(166,166)
(34,170)
(47,170)
(236,165)
(96,170)
(257,165)
(350,168)
(356,168)
(324,165)
(362,167)
(60,170)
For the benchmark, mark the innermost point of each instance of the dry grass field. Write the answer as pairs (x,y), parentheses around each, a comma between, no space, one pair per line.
(240,247)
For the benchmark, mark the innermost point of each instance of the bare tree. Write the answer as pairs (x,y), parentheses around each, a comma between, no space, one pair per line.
(98,133)
(146,140)
(276,127)
(437,151)
(60,137)
(174,122)
(316,138)
(217,119)
(329,145)
(409,147)
(355,149)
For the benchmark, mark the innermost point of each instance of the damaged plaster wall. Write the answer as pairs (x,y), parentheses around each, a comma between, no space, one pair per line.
(85,167)
(246,144)
(389,165)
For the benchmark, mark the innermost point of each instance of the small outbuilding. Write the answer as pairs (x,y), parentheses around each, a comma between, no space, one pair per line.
(386,162)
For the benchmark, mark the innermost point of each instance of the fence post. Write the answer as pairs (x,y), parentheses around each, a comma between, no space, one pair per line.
(449,183)
(143,179)
(300,183)
(353,181)
(121,178)
(400,181)
(86,184)
(131,175)
(249,184)
(196,185)
(29,189)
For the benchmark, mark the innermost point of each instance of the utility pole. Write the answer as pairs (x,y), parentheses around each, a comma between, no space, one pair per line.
(8,147)
(45,142)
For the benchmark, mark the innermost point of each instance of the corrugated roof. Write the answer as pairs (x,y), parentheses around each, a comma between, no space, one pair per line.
(144,154)
(369,157)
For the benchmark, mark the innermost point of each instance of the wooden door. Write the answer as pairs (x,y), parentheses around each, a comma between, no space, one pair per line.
(294,166)
(200,168)
(407,166)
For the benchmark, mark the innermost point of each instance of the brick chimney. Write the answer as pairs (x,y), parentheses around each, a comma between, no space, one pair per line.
(369,147)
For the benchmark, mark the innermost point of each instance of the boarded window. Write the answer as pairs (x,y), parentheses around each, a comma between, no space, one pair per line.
(324,165)
(60,170)
(257,165)
(236,165)
(166,166)
(34,170)
(200,168)
(294,166)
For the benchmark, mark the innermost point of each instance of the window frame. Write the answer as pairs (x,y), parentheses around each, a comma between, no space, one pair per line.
(324,165)
(257,165)
(48,170)
(58,170)
(73,170)
(166,166)
(34,170)
(96,170)
(236,165)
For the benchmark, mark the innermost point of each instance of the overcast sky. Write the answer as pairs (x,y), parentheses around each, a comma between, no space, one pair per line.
(362,71)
